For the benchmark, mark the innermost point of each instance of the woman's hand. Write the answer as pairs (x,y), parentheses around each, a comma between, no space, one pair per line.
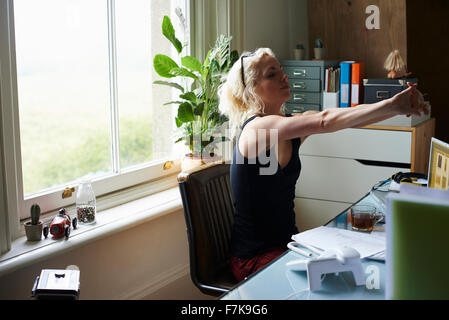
(410,101)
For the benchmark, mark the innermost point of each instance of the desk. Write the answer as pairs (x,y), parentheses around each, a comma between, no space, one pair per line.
(276,281)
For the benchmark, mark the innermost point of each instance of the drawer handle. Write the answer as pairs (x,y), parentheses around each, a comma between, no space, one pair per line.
(299,97)
(299,85)
(300,72)
(382,94)
(384,164)
(298,110)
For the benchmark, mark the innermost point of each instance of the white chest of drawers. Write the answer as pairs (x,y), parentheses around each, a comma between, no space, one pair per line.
(339,168)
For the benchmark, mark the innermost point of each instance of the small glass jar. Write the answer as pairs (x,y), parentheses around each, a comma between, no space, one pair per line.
(86,206)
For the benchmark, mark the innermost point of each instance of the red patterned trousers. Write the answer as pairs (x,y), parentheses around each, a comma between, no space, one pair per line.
(242,268)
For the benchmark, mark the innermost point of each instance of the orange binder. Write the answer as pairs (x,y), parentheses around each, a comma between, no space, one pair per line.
(358,73)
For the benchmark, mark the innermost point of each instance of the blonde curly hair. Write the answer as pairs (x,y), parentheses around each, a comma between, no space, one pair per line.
(238,100)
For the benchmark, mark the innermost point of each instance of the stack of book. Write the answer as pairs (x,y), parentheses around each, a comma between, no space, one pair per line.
(332,82)
(351,83)
(331,90)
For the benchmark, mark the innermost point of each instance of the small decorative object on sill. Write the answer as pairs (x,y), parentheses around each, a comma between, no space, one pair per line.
(396,66)
(319,50)
(60,225)
(33,228)
(67,193)
(85,203)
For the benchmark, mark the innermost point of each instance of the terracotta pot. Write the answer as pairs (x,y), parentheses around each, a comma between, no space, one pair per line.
(191,161)
(33,231)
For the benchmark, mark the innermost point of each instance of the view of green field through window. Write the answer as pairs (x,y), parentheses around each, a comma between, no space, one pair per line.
(64,88)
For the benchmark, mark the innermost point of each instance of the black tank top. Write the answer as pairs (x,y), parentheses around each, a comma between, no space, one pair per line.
(264,204)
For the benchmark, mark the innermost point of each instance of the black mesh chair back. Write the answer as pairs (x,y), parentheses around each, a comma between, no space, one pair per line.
(209,213)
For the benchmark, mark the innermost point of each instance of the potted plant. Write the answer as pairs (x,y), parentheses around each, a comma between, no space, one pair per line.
(319,49)
(298,52)
(198,119)
(33,228)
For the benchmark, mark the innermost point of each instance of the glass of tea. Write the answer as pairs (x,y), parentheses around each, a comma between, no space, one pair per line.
(363,218)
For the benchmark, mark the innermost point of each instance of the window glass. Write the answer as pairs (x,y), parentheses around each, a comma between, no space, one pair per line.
(145,123)
(63,90)
(79,66)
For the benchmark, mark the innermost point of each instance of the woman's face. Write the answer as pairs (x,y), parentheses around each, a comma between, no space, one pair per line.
(272,83)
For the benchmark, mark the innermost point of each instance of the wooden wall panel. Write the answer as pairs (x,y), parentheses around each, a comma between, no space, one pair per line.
(341,26)
(428,47)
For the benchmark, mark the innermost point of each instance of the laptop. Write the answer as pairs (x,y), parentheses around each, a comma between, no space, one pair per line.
(438,176)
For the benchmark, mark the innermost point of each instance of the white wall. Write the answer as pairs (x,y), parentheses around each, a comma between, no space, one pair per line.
(149,261)
(278,25)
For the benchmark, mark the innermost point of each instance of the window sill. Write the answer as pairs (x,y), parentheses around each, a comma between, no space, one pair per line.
(108,221)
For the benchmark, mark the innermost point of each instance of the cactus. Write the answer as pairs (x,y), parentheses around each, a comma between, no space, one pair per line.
(318,43)
(299,46)
(35,214)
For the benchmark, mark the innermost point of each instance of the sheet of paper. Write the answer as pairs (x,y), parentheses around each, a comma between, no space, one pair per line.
(326,238)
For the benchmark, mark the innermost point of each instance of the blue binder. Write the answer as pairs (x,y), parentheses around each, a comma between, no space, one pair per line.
(345,84)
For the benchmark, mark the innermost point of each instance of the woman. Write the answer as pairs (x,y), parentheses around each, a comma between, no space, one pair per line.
(266,165)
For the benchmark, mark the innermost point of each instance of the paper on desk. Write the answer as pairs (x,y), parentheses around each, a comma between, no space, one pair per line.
(327,238)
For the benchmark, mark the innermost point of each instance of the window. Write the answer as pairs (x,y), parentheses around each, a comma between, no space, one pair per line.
(87,106)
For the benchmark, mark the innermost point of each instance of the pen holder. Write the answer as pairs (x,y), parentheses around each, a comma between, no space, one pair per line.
(331,100)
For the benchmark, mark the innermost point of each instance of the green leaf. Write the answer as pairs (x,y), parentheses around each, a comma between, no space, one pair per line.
(204,72)
(163,65)
(189,96)
(221,51)
(183,73)
(199,109)
(192,63)
(178,122)
(207,60)
(220,119)
(170,84)
(172,102)
(234,58)
(179,139)
(169,32)
(185,112)
(167,28)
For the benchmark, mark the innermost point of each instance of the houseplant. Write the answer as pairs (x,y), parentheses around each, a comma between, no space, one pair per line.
(298,52)
(198,119)
(319,49)
(33,228)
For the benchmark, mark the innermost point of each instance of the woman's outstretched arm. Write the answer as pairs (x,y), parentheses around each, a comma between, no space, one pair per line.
(407,102)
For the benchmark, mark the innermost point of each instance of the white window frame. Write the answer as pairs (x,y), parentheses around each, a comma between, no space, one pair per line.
(51,199)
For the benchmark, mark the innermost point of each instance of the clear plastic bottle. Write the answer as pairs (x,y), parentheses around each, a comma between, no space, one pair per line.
(86,205)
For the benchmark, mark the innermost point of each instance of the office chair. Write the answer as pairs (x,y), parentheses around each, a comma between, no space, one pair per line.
(209,212)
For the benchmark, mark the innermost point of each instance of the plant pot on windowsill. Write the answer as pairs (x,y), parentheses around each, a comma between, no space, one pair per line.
(33,231)
(191,161)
